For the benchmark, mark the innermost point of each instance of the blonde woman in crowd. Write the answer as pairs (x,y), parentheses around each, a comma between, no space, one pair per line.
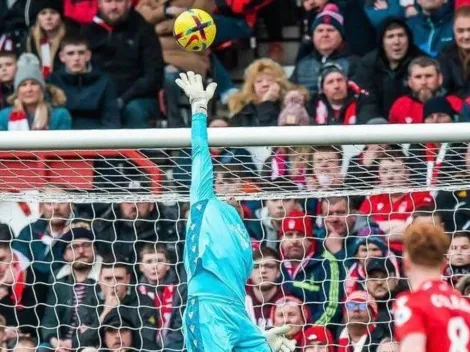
(30,110)
(259,101)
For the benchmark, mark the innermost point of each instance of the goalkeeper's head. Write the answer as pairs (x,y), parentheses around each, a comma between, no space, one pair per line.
(426,246)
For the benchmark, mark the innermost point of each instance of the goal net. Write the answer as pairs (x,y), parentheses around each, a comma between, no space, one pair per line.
(92,230)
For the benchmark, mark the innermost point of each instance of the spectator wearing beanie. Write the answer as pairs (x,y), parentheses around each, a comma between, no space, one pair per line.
(162,16)
(294,312)
(360,314)
(328,46)
(305,259)
(127,48)
(318,338)
(338,102)
(425,82)
(383,72)
(14,23)
(435,163)
(258,103)
(45,35)
(30,110)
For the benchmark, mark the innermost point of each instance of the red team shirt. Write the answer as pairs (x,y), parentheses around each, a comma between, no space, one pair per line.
(439,312)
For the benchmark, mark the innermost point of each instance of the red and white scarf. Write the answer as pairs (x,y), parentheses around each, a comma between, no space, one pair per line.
(434,162)
(100,22)
(46,57)
(345,345)
(164,303)
(19,283)
(18,121)
(355,274)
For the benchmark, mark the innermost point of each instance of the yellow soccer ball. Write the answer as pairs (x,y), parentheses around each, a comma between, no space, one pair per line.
(194,30)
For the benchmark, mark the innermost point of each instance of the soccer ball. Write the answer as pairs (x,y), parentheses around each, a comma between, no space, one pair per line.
(194,30)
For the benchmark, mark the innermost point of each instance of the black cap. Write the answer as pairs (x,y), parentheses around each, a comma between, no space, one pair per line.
(78,231)
(384,265)
(438,105)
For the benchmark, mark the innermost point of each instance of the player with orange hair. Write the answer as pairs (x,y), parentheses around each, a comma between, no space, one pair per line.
(433,317)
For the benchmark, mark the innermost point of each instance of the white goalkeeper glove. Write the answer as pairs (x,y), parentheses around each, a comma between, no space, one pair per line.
(192,86)
(277,340)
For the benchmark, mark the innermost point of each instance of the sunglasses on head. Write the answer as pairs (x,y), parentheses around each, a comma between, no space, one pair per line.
(361,306)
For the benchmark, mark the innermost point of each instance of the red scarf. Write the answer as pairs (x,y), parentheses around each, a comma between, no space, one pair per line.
(355,273)
(346,346)
(18,284)
(434,159)
(349,118)
(18,121)
(164,303)
(102,24)
(46,59)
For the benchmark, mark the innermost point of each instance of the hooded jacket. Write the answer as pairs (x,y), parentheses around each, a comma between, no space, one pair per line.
(374,74)
(432,33)
(455,80)
(91,98)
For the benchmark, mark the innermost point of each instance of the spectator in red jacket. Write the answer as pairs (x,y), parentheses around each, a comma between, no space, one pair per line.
(339,103)
(264,288)
(392,210)
(425,81)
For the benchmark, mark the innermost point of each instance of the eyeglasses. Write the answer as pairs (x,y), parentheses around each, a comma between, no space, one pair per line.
(361,306)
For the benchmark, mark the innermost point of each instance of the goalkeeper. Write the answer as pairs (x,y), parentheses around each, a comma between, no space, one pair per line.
(218,255)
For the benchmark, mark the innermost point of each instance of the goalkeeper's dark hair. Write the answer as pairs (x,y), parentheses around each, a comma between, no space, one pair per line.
(266,252)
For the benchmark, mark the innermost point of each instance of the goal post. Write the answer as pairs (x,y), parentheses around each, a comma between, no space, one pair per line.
(134,187)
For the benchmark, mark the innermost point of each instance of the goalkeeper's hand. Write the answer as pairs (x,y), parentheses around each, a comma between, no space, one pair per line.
(192,86)
(277,340)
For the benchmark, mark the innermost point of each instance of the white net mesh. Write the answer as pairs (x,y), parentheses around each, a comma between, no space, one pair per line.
(118,276)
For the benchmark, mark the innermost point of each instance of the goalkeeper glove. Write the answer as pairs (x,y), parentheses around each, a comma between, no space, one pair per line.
(192,86)
(277,340)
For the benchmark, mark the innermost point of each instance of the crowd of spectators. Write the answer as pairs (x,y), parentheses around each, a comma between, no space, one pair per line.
(109,276)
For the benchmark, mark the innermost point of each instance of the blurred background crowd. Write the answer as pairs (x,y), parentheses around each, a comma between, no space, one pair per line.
(101,277)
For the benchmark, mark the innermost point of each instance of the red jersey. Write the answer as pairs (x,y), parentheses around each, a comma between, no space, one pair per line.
(439,312)
(407,109)
(381,207)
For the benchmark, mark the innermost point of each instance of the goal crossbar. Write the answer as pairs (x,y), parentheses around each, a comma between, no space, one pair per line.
(235,137)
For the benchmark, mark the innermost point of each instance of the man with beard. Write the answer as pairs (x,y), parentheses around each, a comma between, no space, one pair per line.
(382,284)
(425,81)
(310,272)
(75,281)
(459,257)
(126,47)
(263,288)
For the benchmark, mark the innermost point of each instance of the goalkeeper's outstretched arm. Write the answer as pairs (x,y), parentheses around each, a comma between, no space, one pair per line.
(202,173)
